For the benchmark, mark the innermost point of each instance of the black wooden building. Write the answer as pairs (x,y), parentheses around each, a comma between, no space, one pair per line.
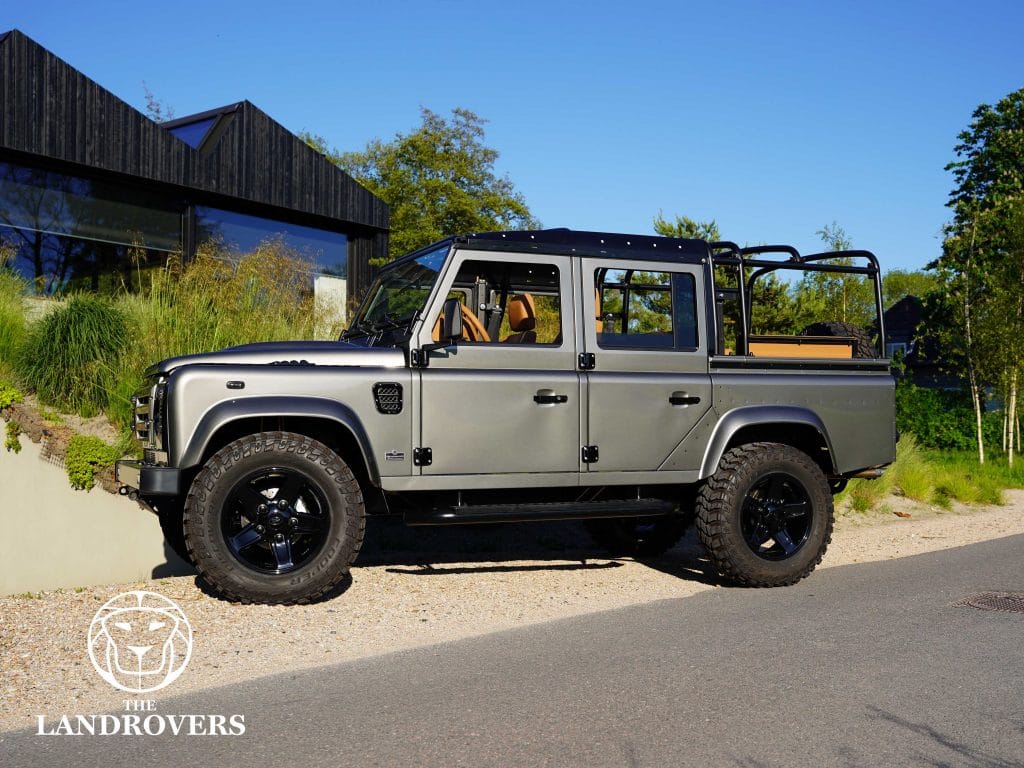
(89,185)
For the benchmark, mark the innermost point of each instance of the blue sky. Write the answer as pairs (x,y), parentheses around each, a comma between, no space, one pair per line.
(775,119)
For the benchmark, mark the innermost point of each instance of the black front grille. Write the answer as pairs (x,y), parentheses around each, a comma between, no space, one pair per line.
(388,397)
(142,419)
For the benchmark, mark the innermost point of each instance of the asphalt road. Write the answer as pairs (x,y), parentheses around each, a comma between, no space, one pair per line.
(866,665)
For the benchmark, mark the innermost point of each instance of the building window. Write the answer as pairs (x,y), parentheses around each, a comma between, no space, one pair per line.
(193,133)
(66,232)
(326,252)
(891,348)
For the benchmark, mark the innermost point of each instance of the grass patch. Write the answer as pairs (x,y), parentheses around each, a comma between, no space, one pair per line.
(13,323)
(936,477)
(70,356)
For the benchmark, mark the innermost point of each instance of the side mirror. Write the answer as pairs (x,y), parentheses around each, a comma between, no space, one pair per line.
(451,328)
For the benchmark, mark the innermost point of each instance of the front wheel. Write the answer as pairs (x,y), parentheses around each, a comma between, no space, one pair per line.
(274,517)
(765,517)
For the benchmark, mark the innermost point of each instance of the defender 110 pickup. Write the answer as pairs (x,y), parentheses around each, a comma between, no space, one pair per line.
(518,376)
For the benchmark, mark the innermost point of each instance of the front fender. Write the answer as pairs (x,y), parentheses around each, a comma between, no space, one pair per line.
(757,416)
(275,406)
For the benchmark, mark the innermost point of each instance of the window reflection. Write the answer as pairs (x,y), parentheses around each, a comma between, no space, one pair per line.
(68,233)
(193,133)
(327,252)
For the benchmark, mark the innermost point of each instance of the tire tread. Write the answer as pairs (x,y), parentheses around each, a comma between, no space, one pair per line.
(299,445)
(716,502)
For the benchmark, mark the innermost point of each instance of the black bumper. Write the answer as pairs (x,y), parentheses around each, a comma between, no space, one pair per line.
(147,479)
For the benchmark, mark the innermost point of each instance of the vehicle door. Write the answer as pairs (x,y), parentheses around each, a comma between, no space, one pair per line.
(649,383)
(511,403)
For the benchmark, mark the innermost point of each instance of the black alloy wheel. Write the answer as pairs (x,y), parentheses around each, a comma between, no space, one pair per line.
(275,520)
(776,516)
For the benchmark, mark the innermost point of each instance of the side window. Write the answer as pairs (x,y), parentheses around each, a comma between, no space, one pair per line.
(638,309)
(508,303)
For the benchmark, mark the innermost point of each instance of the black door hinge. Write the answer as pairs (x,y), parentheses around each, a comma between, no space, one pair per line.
(587,361)
(419,358)
(589,454)
(422,457)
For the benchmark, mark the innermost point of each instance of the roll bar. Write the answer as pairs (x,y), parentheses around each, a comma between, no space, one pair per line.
(727,254)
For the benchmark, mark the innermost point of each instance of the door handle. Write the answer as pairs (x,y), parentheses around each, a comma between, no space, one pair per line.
(547,397)
(681,398)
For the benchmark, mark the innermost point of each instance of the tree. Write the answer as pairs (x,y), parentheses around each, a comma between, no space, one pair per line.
(438,180)
(685,227)
(833,295)
(900,283)
(156,109)
(981,251)
(771,304)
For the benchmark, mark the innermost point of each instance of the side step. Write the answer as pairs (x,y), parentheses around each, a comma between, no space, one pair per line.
(519,513)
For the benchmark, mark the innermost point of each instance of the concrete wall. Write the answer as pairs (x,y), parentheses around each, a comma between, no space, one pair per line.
(54,536)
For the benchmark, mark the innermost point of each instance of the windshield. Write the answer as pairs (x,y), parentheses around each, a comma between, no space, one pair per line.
(397,296)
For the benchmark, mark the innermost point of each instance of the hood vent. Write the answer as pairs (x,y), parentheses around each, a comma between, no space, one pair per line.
(388,397)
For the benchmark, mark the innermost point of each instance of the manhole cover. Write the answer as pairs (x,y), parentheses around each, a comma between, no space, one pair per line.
(994,601)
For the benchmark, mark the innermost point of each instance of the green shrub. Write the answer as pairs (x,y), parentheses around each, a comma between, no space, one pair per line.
(12,441)
(9,395)
(943,419)
(71,355)
(86,456)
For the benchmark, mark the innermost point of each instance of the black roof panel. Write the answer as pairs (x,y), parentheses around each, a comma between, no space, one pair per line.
(584,243)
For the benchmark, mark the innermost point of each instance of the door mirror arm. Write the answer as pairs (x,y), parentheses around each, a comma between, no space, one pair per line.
(451,329)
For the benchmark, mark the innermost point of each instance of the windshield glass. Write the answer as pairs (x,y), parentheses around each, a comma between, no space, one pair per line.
(397,295)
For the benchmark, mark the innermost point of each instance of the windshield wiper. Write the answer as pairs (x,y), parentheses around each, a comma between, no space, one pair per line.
(361,328)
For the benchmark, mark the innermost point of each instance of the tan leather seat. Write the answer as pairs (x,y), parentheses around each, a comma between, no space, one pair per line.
(472,329)
(522,320)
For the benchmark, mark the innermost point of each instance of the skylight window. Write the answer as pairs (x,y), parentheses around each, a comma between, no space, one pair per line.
(193,133)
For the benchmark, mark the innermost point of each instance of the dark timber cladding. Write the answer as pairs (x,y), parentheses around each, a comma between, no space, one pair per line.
(51,113)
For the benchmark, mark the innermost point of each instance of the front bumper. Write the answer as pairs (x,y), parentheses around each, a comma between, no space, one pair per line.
(148,480)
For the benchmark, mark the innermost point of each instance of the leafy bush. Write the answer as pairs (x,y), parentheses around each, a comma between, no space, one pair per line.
(9,395)
(87,455)
(942,419)
(12,441)
(71,355)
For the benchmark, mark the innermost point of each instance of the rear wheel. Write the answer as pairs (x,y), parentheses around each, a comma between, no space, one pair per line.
(765,517)
(274,518)
(639,536)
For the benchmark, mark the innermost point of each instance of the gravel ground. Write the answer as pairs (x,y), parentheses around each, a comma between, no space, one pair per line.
(414,587)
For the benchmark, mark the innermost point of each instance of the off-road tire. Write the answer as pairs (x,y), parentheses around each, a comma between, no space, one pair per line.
(745,476)
(863,347)
(638,536)
(212,504)
(169,512)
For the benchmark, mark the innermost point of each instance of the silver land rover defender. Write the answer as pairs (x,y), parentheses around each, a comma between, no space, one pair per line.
(518,376)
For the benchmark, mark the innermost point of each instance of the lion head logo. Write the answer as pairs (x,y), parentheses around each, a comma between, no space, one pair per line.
(140,641)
